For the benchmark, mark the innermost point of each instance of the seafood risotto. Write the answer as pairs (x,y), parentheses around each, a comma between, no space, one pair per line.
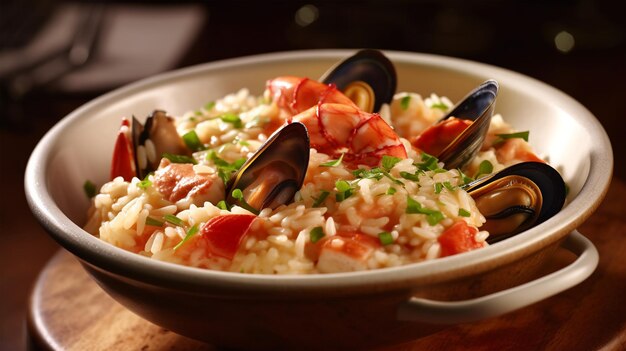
(308,179)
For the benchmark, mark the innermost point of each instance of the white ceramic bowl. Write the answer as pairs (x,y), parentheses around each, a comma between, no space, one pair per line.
(254,311)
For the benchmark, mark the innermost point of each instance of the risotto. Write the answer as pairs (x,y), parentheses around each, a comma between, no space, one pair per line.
(382,204)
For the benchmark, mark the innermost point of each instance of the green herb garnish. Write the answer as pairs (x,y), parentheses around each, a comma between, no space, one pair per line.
(238,195)
(385,238)
(429,163)
(191,232)
(518,135)
(222,205)
(153,222)
(440,106)
(333,163)
(193,142)
(316,234)
(224,169)
(410,176)
(438,188)
(432,216)
(389,161)
(209,105)
(173,220)
(404,102)
(90,189)
(484,167)
(464,213)
(464,178)
(180,158)
(344,190)
(321,198)
(232,119)
(449,186)
(391,191)
(145,183)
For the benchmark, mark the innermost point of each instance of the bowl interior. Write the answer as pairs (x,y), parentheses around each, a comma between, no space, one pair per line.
(79,148)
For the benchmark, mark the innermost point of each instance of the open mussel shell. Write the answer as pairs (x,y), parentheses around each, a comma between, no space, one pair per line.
(368,78)
(518,198)
(151,140)
(273,175)
(477,106)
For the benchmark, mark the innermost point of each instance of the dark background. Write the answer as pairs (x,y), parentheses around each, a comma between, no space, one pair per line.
(516,35)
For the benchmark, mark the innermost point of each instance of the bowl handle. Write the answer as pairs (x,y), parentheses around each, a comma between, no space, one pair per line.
(454,312)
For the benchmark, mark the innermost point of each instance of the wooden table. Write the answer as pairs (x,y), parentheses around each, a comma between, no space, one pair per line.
(69,311)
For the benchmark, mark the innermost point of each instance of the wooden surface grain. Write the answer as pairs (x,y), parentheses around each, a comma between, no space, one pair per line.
(69,311)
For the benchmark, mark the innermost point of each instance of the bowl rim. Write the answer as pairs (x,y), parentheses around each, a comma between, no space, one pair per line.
(106,257)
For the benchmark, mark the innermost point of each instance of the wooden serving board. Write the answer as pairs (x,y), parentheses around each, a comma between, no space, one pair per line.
(69,311)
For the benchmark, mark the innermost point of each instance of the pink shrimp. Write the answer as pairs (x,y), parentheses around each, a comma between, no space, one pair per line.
(335,124)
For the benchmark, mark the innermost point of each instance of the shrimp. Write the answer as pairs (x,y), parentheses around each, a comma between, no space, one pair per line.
(179,183)
(335,124)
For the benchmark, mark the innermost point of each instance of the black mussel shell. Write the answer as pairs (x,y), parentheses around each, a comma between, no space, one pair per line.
(367,66)
(478,106)
(546,190)
(273,175)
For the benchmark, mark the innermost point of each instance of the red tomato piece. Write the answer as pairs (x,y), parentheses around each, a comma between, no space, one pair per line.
(435,138)
(460,237)
(223,234)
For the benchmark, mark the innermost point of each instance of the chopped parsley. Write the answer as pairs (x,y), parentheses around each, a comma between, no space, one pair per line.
(438,188)
(316,234)
(389,161)
(222,205)
(145,183)
(344,190)
(484,167)
(173,220)
(391,191)
(374,173)
(464,213)
(432,216)
(448,186)
(193,142)
(232,119)
(153,222)
(180,158)
(404,102)
(191,232)
(333,163)
(90,189)
(410,176)
(321,198)
(385,238)
(238,195)
(440,106)
(464,178)
(209,105)
(429,163)
(224,169)
(518,135)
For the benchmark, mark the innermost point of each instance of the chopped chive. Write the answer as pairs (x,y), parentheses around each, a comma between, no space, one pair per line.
(464,178)
(409,176)
(438,188)
(391,191)
(173,220)
(232,119)
(238,195)
(180,158)
(432,216)
(440,106)
(333,163)
(404,102)
(484,167)
(153,222)
(429,163)
(321,198)
(145,183)
(209,105)
(90,189)
(193,142)
(385,238)
(316,234)
(191,232)
(448,186)
(389,161)
(342,185)
(520,135)
(464,213)
(222,205)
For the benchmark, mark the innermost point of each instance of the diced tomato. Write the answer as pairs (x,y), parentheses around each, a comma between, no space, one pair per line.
(122,162)
(460,237)
(223,234)
(434,139)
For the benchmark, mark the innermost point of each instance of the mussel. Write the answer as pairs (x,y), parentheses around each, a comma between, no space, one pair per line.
(473,114)
(138,149)
(368,78)
(275,172)
(517,198)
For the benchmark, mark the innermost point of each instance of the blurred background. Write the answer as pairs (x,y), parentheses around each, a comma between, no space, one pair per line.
(57,55)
